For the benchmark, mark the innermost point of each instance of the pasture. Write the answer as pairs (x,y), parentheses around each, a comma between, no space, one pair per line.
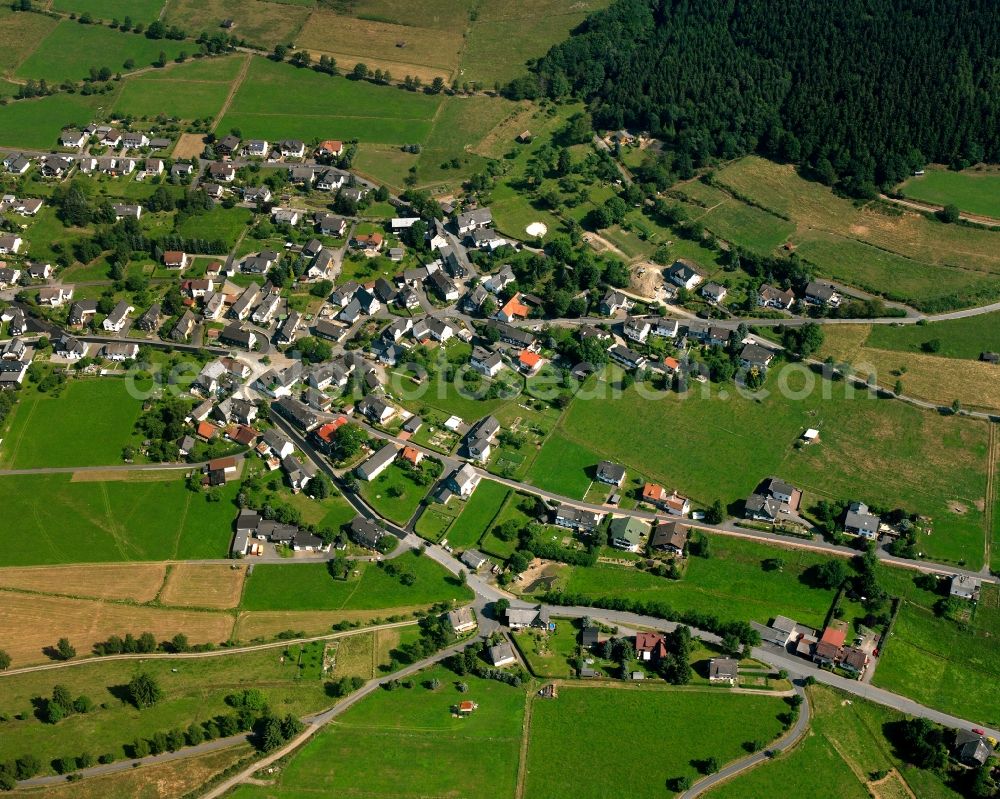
(901,254)
(96,522)
(838,758)
(930,377)
(193,691)
(36,124)
(941,664)
(32,623)
(138,10)
(506,34)
(407,744)
(563,466)
(673,724)
(975,191)
(260,23)
(68,430)
(958,338)
(20,34)
(277,101)
(144,96)
(734,574)
(310,587)
(72,49)
(266,624)
(902,456)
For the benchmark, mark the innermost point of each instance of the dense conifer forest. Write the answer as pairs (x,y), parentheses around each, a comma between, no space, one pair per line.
(858,91)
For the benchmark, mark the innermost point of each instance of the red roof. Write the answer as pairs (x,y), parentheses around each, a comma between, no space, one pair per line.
(653,492)
(412,454)
(466,706)
(515,308)
(207,430)
(223,463)
(243,435)
(651,642)
(833,636)
(331,146)
(173,257)
(325,432)
(671,363)
(529,358)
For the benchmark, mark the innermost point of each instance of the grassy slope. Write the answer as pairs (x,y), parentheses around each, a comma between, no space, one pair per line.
(960,338)
(86,425)
(711,448)
(299,587)
(975,192)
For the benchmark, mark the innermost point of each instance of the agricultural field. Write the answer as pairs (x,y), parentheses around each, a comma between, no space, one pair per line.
(88,521)
(259,23)
(36,123)
(72,49)
(925,462)
(508,33)
(673,722)
(134,582)
(893,353)
(733,574)
(31,624)
(194,90)
(194,691)
(975,191)
(262,625)
(836,760)
(877,247)
(47,431)
(958,338)
(407,744)
(204,585)
(173,778)
(276,102)
(943,663)
(310,587)
(139,10)
(402,49)
(20,33)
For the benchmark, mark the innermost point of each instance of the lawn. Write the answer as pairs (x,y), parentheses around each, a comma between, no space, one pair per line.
(434,522)
(705,443)
(310,587)
(973,190)
(194,691)
(394,494)
(564,467)
(20,34)
(731,584)
(61,520)
(68,430)
(36,123)
(587,726)
(219,223)
(277,101)
(511,511)
(835,760)
(548,654)
(406,744)
(138,10)
(941,664)
(72,49)
(479,511)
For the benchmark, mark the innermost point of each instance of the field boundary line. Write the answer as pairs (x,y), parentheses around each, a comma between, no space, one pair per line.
(991,496)
(233,88)
(522,762)
(220,652)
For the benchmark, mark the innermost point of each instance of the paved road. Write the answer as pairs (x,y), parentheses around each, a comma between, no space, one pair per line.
(790,739)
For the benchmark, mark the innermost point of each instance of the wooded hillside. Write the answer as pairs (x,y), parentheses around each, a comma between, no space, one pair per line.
(861,90)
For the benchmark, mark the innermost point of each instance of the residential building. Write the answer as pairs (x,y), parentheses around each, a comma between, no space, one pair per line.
(650,647)
(723,670)
(771,297)
(713,292)
(859,521)
(470,220)
(583,521)
(462,620)
(611,473)
(965,586)
(669,537)
(685,273)
(377,463)
(502,655)
(463,481)
(627,533)
(118,318)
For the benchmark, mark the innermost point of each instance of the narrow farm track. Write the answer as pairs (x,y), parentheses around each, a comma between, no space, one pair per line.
(992,463)
(234,87)
(522,763)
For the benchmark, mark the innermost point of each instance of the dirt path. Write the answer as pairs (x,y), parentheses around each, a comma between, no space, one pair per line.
(522,763)
(234,87)
(925,207)
(993,456)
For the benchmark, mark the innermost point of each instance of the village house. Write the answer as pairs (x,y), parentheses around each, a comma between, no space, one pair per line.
(522,618)
(965,586)
(376,409)
(184,327)
(478,441)
(713,292)
(636,329)
(650,647)
(10,244)
(669,537)
(235,335)
(366,533)
(723,670)
(685,273)
(627,533)
(150,320)
(753,356)
(118,318)
(611,473)
(582,521)
(821,294)
(54,296)
(175,259)
(673,502)
(859,521)
(463,481)
(377,463)
(471,220)
(502,654)
(771,297)
(82,312)
(462,620)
